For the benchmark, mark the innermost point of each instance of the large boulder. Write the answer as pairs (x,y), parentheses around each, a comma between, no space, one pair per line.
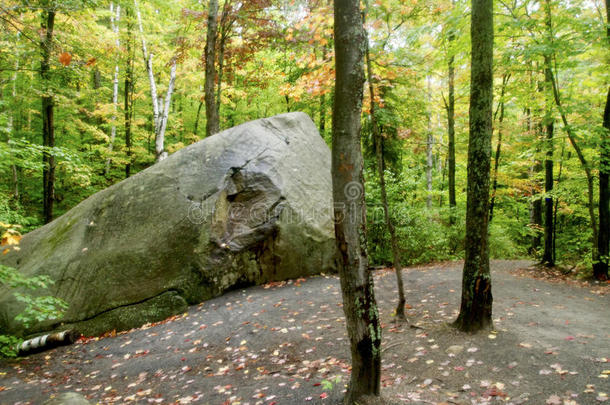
(246,206)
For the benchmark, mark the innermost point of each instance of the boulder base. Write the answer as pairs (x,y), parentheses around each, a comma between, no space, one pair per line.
(249,205)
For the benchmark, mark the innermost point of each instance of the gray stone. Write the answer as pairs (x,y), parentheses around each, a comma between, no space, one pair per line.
(249,205)
(68,398)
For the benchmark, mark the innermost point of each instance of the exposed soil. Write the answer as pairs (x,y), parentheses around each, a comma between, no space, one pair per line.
(285,343)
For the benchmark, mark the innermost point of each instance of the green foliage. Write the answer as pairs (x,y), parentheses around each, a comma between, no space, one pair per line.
(36,308)
(424,235)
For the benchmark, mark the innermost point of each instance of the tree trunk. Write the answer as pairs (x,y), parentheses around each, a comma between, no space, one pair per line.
(164,115)
(585,165)
(429,157)
(129,92)
(494,187)
(196,127)
(556,206)
(48,129)
(161,106)
(476,305)
(549,123)
(359,305)
(212,125)
(322,114)
(115,17)
(400,306)
(600,269)
(12,127)
(451,136)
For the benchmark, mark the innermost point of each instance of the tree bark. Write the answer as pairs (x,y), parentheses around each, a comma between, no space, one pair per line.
(549,123)
(429,157)
(48,129)
(164,115)
(476,303)
(585,165)
(12,127)
(378,138)
(212,125)
(115,17)
(451,135)
(600,268)
(556,202)
(359,305)
(129,92)
(161,106)
(322,114)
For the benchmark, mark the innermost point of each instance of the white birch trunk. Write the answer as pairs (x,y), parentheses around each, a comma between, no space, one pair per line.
(114,22)
(161,106)
(160,139)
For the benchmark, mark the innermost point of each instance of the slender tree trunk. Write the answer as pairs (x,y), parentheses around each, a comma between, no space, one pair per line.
(494,187)
(359,305)
(164,115)
(536,210)
(196,128)
(429,157)
(48,128)
(476,305)
(322,114)
(600,268)
(584,163)
(129,92)
(115,17)
(12,127)
(536,204)
(563,149)
(212,125)
(451,136)
(378,137)
(161,106)
(549,123)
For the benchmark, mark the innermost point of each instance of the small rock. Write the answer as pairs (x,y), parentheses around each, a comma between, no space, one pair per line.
(454,349)
(68,398)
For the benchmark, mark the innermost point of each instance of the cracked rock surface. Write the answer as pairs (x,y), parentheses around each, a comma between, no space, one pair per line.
(249,205)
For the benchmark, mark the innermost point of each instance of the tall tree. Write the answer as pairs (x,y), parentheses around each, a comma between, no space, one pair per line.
(129,89)
(161,105)
(212,125)
(600,268)
(451,129)
(378,140)
(359,305)
(549,126)
(115,18)
(476,303)
(48,125)
(429,146)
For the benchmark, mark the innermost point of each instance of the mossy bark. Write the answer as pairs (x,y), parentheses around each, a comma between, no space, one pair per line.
(212,125)
(359,305)
(600,269)
(48,105)
(476,305)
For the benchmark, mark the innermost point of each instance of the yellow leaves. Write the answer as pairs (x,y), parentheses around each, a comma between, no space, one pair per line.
(10,238)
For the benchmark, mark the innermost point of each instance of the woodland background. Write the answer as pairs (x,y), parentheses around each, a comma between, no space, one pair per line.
(272,56)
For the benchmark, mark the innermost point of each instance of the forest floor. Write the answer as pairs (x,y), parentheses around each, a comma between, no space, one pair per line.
(285,343)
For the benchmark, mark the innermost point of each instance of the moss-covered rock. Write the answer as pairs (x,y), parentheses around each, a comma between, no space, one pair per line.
(246,206)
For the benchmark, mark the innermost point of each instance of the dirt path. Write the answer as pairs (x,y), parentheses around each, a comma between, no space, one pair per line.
(286,344)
